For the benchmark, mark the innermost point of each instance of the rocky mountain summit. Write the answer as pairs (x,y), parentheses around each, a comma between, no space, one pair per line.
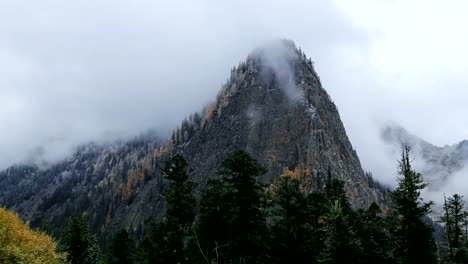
(273,106)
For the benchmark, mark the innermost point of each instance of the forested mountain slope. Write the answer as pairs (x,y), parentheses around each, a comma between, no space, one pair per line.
(273,106)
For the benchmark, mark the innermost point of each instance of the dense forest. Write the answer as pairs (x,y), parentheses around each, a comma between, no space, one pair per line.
(240,220)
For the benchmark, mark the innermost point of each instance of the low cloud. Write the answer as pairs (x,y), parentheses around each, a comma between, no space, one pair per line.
(82,71)
(278,57)
(72,72)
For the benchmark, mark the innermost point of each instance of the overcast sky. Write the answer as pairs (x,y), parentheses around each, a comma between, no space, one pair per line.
(75,71)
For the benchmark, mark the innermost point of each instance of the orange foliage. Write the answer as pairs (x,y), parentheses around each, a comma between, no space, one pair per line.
(134,176)
(161,151)
(308,172)
(296,174)
(129,184)
(20,244)
(210,111)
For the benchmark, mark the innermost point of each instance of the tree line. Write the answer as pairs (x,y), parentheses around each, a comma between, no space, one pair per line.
(240,220)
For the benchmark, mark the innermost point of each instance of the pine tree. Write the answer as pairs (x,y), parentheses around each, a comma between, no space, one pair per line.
(288,222)
(315,210)
(372,228)
(121,249)
(170,236)
(180,206)
(79,243)
(341,244)
(453,219)
(236,206)
(212,233)
(414,237)
(154,249)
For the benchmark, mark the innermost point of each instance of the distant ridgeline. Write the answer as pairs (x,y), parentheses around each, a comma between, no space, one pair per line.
(273,106)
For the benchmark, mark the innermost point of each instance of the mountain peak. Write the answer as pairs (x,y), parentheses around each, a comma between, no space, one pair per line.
(273,106)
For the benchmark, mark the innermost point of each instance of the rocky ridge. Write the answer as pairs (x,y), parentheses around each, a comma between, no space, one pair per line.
(273,105)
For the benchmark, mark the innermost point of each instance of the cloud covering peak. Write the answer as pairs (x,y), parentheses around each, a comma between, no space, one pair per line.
(73,72)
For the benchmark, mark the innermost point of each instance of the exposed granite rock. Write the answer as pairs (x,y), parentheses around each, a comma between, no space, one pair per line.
(273,106)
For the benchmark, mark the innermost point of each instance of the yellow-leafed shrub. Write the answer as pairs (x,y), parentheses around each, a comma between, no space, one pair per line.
(20,244)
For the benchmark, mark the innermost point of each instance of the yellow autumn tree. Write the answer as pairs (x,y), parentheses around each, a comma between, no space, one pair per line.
(20,244)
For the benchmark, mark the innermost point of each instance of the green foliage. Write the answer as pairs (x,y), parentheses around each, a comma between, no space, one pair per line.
(232,221)
(180,200)
(79,243)
(241,221)
(415,242)
(455,222)
(289,223)
(373,230)
(341,242)
(170,237)
(121,249)
(153,249)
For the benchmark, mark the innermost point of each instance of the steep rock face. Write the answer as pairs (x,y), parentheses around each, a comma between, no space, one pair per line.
(273,106)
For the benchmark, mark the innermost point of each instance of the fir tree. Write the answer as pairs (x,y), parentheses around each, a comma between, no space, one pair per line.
(234,202)
(414,237)
(121,249)
(341,243)
(453,219)
(79,243)
(372,228)
(170,236)
(289,230)
(212,233)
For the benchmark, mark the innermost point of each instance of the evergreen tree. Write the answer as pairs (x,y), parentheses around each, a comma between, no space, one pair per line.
(341,244)
(453,219)
(170,236)
(154,249)
(239,234)
(79,243)
(212,233)
(414,237)
(315,210)
(372,228)
(121,249)
(335,191)
(45,227)
(288,222)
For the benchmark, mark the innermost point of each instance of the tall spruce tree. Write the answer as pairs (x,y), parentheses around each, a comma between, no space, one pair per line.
(372,228)
(341,243)
(121,249)
(170,237)
(212,234)
(414,237)
(289,229)
(454,218)
(317,207)
(180,207)
(79,243)
(232,222)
